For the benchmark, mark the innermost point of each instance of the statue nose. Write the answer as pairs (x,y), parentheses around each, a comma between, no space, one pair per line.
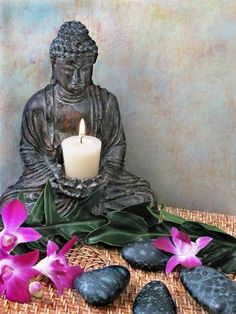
(76,76)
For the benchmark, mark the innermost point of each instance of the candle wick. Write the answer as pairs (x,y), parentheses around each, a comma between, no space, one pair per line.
(81,139)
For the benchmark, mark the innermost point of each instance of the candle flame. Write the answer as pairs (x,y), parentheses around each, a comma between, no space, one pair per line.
(82,127)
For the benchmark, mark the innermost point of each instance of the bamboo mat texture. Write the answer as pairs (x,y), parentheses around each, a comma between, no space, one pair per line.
(90,257)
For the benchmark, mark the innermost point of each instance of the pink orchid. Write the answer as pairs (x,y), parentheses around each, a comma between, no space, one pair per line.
(56,267)
(13,216)
(15,273)
(183,248)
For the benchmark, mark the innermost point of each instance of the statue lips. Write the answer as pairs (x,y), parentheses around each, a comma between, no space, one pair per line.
(77,87)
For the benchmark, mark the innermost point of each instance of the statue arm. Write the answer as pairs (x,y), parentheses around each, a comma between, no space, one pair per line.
(113,155)
(36,149)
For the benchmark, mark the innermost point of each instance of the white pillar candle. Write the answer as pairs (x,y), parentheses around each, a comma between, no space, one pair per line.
(81,155)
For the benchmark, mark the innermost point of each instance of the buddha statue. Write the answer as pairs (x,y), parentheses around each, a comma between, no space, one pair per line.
(54,113)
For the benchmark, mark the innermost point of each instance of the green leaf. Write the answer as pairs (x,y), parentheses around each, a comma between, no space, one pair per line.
(121,228)
(21,197)
(118,228)
(51,215)
(166,216)
(46,220)
(85,207)
(141,211)
(211,228)
(220,255)
(200,229)
(35,217)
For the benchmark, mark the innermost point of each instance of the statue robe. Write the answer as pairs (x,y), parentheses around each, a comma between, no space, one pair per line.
(41,135)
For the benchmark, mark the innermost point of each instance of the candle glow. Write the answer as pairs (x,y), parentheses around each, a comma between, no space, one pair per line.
(82,129)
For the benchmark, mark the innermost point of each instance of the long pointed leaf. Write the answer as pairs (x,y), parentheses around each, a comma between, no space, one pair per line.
(36,215)
(51,215)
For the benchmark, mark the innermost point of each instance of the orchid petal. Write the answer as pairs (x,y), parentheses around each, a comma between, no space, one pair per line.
(58,267)
(58,283)
(2,287)
(27,235)
(27,273)
(203,242)
(3,254)
(52,247)
(26,260)
(63,260)
(190,261)
(178,237)
(164,244)
(184,237)
(71,273)
(175,233)
(67,246)
(17,290)
(14,214)
(172,263)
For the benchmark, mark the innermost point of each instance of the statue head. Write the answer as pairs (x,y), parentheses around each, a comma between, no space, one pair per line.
(73,53)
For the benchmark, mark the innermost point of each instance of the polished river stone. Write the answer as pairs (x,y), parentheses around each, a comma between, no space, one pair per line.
(143,255)
(101,286)
(154,298)
(211,288)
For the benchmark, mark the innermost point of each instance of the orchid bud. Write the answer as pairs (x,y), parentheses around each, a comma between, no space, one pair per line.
(36,289)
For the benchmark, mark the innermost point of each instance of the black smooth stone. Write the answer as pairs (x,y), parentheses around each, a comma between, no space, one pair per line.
(143,255)
(154,298)
(211,288)
(101,286)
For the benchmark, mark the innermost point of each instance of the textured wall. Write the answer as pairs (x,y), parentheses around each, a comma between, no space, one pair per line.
(171,64)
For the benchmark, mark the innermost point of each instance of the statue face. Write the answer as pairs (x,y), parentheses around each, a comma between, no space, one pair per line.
(75,75)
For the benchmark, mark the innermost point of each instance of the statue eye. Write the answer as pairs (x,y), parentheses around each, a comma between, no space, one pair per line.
(67,70)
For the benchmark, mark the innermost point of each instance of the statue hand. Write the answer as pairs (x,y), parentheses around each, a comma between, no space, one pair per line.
(79,188)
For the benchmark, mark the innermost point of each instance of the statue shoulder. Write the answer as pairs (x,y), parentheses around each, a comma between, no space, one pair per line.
(109,100)
(36,102)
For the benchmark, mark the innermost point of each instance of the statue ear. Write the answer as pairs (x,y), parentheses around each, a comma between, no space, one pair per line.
(53,80)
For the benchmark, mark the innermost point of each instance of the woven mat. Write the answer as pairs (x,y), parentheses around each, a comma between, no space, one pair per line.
(90,257)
